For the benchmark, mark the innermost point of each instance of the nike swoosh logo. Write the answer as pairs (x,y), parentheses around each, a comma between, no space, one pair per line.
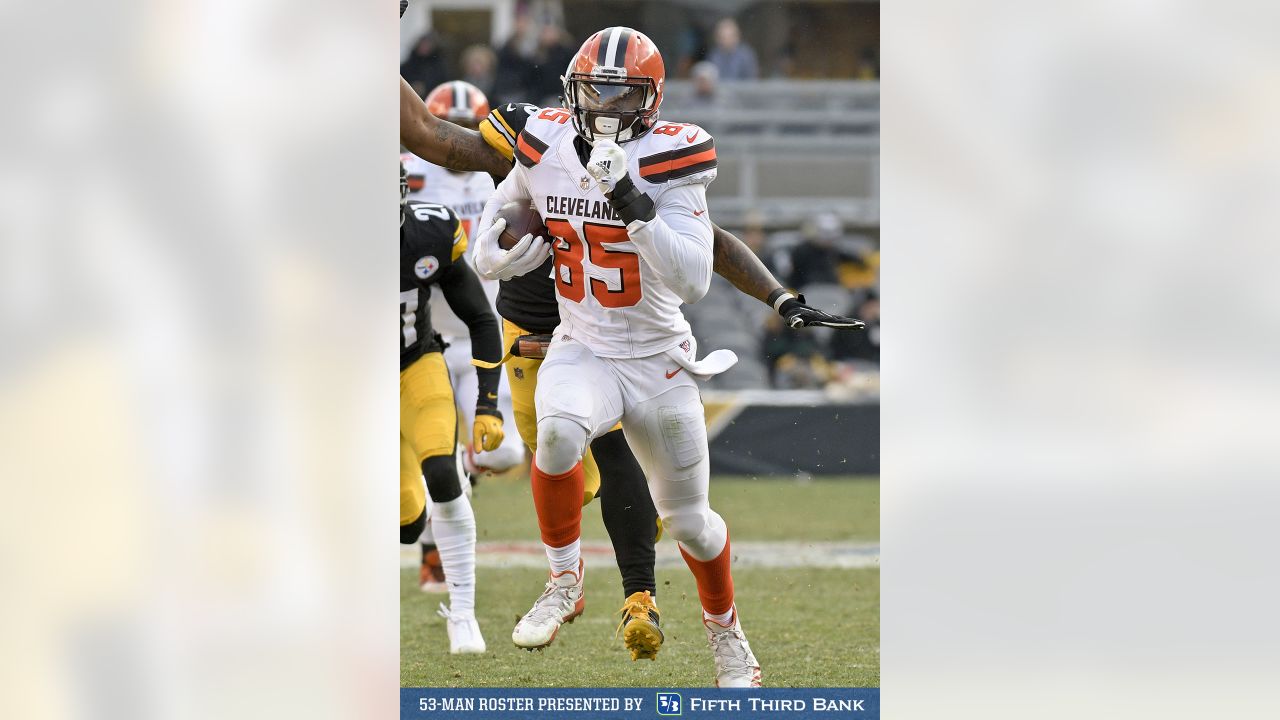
(691,137)
(696,213)
(673,373)
(492,396)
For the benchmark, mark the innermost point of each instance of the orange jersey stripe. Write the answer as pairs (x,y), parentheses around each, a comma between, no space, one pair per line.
(527,149)
(664,166)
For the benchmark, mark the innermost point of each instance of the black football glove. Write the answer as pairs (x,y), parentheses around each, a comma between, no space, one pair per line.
(797,314)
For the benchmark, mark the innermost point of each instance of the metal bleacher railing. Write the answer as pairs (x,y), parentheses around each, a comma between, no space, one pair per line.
(789,148)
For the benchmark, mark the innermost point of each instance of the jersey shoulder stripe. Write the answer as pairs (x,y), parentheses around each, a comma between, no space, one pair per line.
(502,126)
(459,241)
(529,149)
(682,162)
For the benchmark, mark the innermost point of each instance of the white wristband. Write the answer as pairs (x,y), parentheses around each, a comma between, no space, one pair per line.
(777,304)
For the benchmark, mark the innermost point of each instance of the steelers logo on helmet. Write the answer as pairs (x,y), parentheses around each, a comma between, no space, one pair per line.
(613,85)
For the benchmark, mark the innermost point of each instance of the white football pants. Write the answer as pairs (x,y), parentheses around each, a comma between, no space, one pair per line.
(581,396)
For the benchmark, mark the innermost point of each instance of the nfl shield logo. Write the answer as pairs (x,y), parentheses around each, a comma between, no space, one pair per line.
(685,346)
(584,182)
(519,373)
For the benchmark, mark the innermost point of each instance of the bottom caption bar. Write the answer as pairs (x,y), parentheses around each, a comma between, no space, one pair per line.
(592,703)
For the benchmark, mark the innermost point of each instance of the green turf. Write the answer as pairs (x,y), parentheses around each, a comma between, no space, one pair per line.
(846,509)
(808,627)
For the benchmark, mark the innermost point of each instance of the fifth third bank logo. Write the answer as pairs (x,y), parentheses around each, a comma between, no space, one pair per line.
(668,703)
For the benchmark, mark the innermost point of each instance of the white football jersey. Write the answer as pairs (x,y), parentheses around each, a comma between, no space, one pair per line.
(465,193)
(462,192)
(610,299)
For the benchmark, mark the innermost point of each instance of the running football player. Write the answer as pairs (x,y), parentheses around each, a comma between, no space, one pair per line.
(632,241)
(465,193)
(432,241)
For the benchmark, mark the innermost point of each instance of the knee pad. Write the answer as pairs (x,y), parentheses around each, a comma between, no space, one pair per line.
(409,533)
(561,444)
(685,527)
(441,474)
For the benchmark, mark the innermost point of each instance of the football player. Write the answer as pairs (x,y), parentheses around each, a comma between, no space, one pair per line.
(432,241)
(632,241)
(465,193)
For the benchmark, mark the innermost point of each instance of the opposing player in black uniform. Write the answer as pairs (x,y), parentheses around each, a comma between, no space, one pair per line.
(432,241)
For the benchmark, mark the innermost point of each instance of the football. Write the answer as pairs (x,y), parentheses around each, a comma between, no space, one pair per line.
(521,219)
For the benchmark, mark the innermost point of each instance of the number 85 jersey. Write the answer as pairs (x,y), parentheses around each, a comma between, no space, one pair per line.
(610,297)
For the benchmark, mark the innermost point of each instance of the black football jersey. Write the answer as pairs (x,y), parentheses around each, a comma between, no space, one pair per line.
(527,300)
(432,240)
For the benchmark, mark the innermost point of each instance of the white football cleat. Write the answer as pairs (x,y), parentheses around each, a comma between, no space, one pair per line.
(736,665)
(561,602)
(464,632)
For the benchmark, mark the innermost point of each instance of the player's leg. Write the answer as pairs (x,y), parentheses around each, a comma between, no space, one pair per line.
(431,577)
(669,437)
(428,420)
(413,495)
(577,397)
(522,378)
(632,523)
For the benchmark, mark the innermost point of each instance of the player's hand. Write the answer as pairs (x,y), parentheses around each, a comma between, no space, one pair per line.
(799,315)
(607,164)
(494,263)
(486,432)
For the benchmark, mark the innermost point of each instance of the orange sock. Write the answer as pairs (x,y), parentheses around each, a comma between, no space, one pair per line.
(558,500)
(715,582)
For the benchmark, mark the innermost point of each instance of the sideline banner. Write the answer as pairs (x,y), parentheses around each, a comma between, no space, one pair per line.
(611,703)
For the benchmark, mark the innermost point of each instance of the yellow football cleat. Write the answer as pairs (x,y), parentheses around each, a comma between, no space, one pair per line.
(639,626)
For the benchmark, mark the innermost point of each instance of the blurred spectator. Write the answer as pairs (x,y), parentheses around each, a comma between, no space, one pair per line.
(793,357)
(732,58)
(705,77)
(514,81)
(818,258)
(478,65)
(550,59)
(426,66)
(753,236)
(868,65)
(863,345)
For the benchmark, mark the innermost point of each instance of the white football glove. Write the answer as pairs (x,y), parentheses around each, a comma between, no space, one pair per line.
(494,263)
(607,164)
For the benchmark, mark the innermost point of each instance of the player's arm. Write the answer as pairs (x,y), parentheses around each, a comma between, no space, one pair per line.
(466,297)
(444,143)
(735,262)
(492,262)
(673,234)
(675,242)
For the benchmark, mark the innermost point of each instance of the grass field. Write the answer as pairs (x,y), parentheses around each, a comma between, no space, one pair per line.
(808,626)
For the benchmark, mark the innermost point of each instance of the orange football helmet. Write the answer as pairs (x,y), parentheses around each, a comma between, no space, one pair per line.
(459,102)
(613,86)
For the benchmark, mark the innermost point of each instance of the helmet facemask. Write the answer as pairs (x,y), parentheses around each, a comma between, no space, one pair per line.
(609,105)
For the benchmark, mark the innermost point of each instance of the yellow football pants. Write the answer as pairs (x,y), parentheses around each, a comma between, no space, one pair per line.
(522,377)
(428,427)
